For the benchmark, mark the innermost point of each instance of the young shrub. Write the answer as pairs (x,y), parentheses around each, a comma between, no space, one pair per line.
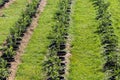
(3,69)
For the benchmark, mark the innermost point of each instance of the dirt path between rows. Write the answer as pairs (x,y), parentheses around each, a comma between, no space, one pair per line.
(68,55)
(25,40)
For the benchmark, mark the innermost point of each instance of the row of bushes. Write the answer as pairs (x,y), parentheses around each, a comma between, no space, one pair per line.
(15,36)
(2,2)
(55,65)
(109,40)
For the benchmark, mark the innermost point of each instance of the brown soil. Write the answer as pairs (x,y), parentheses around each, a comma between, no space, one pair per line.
(67,56)
(25,40)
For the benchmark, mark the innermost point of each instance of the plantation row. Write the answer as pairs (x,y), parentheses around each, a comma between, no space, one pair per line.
(90,32)
(109,40)
(2,2)
(55,64)
(16,34)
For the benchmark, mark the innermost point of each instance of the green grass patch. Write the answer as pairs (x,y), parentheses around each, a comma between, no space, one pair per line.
(32,59)
(114,9)
(9,16)
(86,60)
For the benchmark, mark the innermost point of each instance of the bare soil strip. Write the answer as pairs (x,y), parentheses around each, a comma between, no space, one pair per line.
(67,56)
(25,40)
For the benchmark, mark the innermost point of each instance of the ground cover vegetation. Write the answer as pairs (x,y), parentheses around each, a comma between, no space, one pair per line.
(54,64)
(16,34)
(90,27)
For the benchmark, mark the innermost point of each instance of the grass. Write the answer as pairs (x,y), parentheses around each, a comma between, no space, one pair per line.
(32,59)
(1,2)
(86,60)
(114,9)
(10,16)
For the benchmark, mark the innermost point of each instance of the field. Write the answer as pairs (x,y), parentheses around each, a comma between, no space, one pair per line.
(59,40)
